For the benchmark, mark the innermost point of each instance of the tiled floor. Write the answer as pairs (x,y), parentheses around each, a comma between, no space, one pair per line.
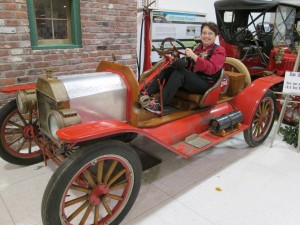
(230,184)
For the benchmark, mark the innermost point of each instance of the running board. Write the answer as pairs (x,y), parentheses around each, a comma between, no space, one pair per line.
(196,143)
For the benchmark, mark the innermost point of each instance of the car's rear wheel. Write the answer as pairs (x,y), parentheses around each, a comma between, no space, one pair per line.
(96,185)
(18,132)
(262,121)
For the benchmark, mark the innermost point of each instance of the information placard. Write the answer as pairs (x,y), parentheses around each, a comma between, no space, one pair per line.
(291,83)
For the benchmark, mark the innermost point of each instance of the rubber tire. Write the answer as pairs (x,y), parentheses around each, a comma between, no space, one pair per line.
(250,140)
(237,64)
(56,187)
(5,112)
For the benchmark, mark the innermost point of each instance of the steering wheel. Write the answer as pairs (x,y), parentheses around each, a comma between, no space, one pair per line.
(172,41)
(175,49)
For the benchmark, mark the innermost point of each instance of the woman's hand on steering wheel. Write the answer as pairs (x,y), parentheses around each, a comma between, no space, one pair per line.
(190,53)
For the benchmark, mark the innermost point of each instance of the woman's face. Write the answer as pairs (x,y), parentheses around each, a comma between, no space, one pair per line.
(208,37)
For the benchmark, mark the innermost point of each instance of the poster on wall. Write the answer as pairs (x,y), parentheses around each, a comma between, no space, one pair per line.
(184,26)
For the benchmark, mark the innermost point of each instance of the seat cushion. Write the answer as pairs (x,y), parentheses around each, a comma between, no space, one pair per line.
(182,94)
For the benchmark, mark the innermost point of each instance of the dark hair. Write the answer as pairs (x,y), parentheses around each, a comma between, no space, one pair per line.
(212,26)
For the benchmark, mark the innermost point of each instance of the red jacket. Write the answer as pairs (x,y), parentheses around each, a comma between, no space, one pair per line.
(214,64)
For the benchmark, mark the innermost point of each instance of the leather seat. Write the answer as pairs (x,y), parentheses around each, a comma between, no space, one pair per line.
(182,94)
(210,97)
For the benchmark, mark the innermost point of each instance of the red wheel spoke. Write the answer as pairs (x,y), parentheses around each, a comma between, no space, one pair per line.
(21,145)
(16,124)
(110,170)
(76,200)
(22,118)
(30,146)
(15,140)
(12,131)
(30,118)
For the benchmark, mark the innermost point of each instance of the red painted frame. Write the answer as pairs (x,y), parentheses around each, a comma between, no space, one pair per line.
(170,135)
(15,88)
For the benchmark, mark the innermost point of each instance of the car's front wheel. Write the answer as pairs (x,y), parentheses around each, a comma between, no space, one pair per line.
(96,185)
(18,136)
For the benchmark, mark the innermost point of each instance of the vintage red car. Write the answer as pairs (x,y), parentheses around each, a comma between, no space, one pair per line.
(265,36)
(84,123)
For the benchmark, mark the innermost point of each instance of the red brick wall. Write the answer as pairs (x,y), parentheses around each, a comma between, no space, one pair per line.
(108,26)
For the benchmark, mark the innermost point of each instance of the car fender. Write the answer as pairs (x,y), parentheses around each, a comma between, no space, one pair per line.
(248,99)
(94,130)
(15,88)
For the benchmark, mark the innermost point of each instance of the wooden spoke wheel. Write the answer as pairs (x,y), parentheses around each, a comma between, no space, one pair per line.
(262,121)
(96,185)
(18,133)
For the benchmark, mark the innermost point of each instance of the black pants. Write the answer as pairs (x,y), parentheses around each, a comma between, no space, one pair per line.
(175,79)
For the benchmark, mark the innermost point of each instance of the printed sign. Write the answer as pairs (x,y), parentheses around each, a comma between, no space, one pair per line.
(176,24)
(291,83)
